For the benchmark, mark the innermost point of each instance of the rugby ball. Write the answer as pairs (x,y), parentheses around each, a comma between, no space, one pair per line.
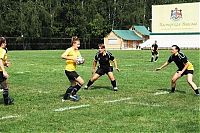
(80,60)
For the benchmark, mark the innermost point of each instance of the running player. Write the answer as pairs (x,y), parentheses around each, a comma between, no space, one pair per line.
(184,68)
(154,51)
(103,57)
(71,55)
(3,74)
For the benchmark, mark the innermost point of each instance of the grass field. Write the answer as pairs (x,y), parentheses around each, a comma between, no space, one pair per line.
(37,82)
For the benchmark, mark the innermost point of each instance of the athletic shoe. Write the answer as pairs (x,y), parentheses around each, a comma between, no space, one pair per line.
(197,94)
(1,90)
(86,87)
(9,101)
(75,98)
(115,89)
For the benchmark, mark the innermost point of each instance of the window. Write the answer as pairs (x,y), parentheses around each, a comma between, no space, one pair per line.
(112,41)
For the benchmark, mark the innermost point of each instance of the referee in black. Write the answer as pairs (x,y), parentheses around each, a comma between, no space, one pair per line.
(154,51)
(104,58)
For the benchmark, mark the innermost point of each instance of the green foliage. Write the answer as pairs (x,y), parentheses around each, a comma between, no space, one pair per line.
(64,18)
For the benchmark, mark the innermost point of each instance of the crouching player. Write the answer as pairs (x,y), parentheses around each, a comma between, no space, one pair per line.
(3,74)
(184,68)
(103,57)
(71,55)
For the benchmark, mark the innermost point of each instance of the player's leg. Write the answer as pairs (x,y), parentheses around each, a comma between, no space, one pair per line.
(113,81)
(152,57)
(92,80)
(69,90)
(156,56)
(192,84)
(78,86)
(7,99)
(173,81)
(96,76)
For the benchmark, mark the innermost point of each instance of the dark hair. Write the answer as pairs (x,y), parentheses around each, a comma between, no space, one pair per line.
(2,40)
(74,39)
(102,46)
(176,47)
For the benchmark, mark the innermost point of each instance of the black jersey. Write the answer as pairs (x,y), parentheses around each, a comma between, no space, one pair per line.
(180,60)
(104,59)
(154,47)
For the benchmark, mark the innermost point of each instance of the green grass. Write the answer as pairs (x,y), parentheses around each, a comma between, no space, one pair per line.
(37,82)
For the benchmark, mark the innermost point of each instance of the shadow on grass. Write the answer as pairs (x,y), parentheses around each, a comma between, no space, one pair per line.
(93,88)
(1,101)
(100,87)
(178,91)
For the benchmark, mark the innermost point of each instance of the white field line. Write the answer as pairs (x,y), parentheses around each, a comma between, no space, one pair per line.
(70,108)
(9,117)
(145,104)
(23,72)
(44,92)
(161,93)
(122,99)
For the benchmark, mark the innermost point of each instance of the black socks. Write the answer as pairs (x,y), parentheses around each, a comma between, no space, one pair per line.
(89,83)
(197,91)
(173,89)
(114,83)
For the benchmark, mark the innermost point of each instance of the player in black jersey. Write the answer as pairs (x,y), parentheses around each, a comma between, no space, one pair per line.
(184,68)
(154,51)
(104,58)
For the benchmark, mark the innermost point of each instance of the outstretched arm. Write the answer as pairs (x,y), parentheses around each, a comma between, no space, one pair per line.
(115,64)
(94,65)
(164,65)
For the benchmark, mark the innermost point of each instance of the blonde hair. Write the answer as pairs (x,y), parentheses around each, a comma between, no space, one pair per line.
(74,39)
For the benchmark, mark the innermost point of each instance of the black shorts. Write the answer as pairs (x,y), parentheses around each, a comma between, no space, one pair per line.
(2,78)
(154,52)
(106,70)
(72,75)
(187,72)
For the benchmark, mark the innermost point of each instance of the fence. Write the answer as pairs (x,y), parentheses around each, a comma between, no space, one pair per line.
(28,43)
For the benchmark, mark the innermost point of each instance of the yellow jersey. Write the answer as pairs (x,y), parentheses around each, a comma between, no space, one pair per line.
(3,56)
(70,64)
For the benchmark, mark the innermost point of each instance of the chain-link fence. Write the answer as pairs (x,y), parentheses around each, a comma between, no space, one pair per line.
(28,43)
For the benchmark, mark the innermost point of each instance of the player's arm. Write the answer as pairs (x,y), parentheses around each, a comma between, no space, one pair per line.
(185,67)
(164,65)
(94,65)
(5,74)
(116,65)
(67,57)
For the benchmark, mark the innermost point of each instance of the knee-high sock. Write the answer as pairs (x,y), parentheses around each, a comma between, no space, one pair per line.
(76,89)
(5,95)
(68,92)
(89,83)
(114,84)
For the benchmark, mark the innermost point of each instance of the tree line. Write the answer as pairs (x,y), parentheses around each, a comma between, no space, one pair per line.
(65,18)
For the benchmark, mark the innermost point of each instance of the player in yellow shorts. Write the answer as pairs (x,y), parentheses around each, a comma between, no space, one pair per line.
(71,55)
(184,68)
(3,74)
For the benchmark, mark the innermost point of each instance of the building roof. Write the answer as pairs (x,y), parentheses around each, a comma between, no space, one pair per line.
(127,35)
(142,29)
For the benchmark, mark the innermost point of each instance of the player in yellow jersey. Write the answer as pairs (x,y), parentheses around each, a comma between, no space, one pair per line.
(184,68)
(71,55)
(3,73)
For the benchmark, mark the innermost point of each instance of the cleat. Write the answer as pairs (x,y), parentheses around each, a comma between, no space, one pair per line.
(63,100)
(197,94)
(115,89)
(75,98)
(86,87)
